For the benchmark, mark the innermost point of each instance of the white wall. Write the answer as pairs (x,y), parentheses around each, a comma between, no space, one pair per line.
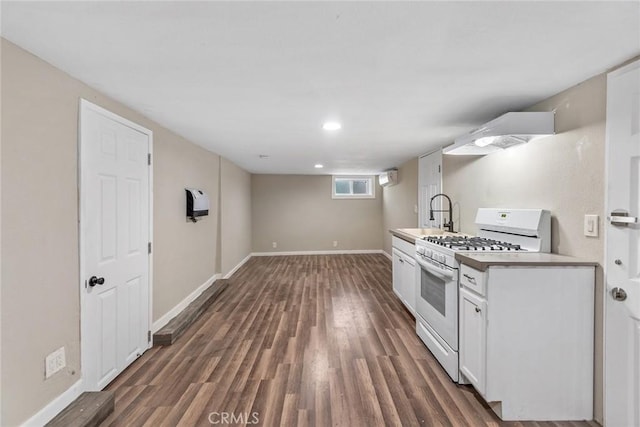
(399,201)
(563,173)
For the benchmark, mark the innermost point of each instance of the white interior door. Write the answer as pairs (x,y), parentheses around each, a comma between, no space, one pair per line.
(430,184)
(622,299)
(115,243)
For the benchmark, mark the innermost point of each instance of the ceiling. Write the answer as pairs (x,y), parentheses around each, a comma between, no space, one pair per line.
(245,79)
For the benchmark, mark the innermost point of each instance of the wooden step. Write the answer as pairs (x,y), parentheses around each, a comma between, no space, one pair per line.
(88,410)
(176,326)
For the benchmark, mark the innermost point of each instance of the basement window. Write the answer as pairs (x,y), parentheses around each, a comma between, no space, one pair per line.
(353,187)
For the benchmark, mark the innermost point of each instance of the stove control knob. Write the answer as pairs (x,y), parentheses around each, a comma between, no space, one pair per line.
(420,250)
(429,253)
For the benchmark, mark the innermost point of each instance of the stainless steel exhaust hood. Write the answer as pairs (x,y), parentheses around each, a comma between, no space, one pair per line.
(505,131)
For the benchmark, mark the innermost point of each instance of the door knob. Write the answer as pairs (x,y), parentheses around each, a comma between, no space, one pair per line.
(96,281)
(619,294)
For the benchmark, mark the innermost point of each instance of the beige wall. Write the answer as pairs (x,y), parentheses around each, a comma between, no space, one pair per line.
(399,202)
(185,252)
(40,282)
(235,215)
(298,213)
(563,173)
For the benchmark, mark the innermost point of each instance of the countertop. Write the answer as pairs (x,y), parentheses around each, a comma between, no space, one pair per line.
(411,234)
(482,261)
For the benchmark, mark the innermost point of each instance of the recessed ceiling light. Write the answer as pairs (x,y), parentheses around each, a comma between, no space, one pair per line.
(331,126)
(318,166)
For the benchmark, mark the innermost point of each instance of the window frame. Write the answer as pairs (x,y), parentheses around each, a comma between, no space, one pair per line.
(370,195)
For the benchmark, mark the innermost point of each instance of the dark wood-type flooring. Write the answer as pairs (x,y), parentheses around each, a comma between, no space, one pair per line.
(297,341)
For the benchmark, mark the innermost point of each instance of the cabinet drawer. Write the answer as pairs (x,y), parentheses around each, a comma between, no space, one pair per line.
(403,245)
(473,279)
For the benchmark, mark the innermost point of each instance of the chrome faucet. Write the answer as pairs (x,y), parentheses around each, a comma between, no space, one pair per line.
(447,225)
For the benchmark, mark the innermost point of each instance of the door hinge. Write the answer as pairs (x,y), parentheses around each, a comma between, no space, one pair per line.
(148,336)
(149,159)
(439,171)
(149,247)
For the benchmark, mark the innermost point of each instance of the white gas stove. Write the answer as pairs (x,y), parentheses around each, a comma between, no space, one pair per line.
(500,230)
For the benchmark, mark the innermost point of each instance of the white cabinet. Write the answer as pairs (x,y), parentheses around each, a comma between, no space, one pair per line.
(526,345)
(473,341)
(398,272)
(404,274)
(409,283)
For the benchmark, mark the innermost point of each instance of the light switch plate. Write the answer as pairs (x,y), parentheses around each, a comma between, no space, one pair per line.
(591,225)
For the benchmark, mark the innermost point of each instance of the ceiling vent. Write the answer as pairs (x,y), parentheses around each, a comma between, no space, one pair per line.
(506,131)
(388,178)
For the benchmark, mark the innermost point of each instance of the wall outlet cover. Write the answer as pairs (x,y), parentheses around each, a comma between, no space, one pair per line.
(55,362)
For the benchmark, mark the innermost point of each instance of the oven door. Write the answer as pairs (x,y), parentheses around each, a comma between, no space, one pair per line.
(437,298)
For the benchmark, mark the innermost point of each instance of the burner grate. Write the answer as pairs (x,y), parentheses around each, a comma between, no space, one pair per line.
(464,243)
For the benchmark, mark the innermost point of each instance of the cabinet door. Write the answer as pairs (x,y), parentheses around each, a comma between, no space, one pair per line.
(473,339)
(409,283)
(398,272)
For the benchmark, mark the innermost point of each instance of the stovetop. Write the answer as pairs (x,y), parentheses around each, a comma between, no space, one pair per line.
(472,243)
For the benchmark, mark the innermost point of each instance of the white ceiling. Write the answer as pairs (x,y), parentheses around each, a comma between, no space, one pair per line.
(249,78)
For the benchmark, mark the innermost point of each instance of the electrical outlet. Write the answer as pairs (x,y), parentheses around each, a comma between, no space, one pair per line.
(591,225)
(415,208)
(55,362)
(274,244)
(335,243)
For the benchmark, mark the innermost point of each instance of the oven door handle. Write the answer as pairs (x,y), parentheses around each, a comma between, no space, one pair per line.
(438,272)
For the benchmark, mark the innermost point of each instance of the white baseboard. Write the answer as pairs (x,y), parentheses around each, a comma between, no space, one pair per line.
(240,264)
(354,251)
(56,406)
(387,255)
(161,322)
